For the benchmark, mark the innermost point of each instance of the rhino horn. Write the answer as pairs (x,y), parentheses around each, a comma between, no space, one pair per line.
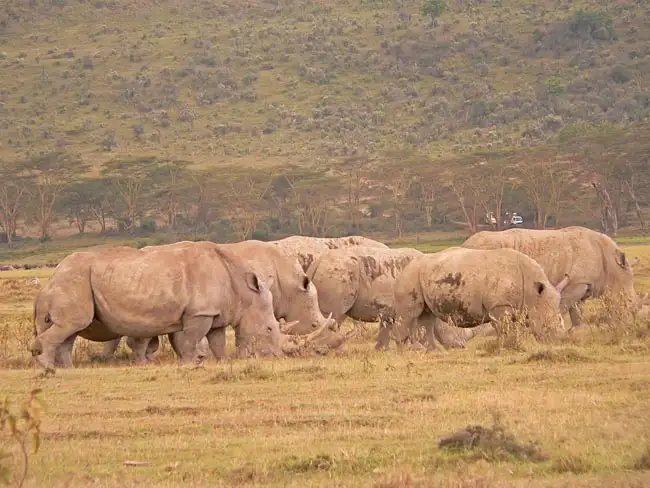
(332,324)
(562,284)
(310,337)
(342,339)
(286,327)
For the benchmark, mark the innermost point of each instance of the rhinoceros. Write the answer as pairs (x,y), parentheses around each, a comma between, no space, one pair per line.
(307,249)
(295,298)
(199,289)
(359,282)
(592,259)
(470,287)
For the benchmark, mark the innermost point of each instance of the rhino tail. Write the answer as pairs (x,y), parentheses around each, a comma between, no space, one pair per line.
(47,319)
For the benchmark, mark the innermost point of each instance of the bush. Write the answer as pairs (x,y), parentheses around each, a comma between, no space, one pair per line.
(592,25)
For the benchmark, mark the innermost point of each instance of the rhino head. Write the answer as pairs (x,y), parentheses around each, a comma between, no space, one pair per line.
(297,302)
(543,306)
(258,332)
(320,341)
(621,280)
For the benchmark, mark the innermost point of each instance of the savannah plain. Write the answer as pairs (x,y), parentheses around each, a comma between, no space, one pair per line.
(145,122)
(570,413)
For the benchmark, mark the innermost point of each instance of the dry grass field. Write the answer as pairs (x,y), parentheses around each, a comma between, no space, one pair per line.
(563,414)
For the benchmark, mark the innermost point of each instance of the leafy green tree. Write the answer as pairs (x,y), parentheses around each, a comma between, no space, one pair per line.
(433,9)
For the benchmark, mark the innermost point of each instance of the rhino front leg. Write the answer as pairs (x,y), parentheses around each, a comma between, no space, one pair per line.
(217,342)
(194,330)
(143,348)
(575,313)
(573,298)
(110,347)
(63,356)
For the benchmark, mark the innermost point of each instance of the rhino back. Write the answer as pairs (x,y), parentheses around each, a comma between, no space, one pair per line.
(335,275)
(563,251)
(379,269)
(465,284)
(146,294)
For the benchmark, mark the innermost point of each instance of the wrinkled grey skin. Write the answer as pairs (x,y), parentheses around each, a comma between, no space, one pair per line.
(295,298)
(307,249)
(200,289)
(592,259)
(359,282)
(471,287)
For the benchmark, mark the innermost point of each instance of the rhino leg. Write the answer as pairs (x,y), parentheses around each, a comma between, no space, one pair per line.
(217,342)
(194,330)
(110,347)
(432,338)
(44,347)
(141,348)
(386,322)
(573,297)
(152,347)
(575,313)
(63,356)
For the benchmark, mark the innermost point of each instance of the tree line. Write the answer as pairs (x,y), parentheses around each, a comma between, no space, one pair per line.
(602,171)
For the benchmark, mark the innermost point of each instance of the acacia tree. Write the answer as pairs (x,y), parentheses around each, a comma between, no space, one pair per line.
(246,193)
(616,161)
(84,201)
(314,194)
(49,175)
(397,177)
(172,182)
(13,195)
(546,181)
(130,181)
(355,168)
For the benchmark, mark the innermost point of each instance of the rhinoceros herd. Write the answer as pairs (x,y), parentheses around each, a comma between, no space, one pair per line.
(288,297)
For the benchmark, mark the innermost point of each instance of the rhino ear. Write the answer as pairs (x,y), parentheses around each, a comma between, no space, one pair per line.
(539,286)
(253,282)
(305,283)
(620,258)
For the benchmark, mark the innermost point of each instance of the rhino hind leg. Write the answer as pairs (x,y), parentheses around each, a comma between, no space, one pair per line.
(432,337)
(44,347)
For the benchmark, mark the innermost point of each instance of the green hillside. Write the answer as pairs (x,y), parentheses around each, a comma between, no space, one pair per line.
(306,81)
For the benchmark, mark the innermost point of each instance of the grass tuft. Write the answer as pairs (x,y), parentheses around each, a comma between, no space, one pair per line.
(563,355)
(492,444)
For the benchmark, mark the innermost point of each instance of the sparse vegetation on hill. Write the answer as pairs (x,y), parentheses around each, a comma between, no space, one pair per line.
(354,114)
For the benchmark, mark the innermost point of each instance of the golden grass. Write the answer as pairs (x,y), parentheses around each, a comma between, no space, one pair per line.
(361,418)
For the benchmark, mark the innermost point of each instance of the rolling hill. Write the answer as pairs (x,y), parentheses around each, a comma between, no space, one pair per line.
(306,81)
